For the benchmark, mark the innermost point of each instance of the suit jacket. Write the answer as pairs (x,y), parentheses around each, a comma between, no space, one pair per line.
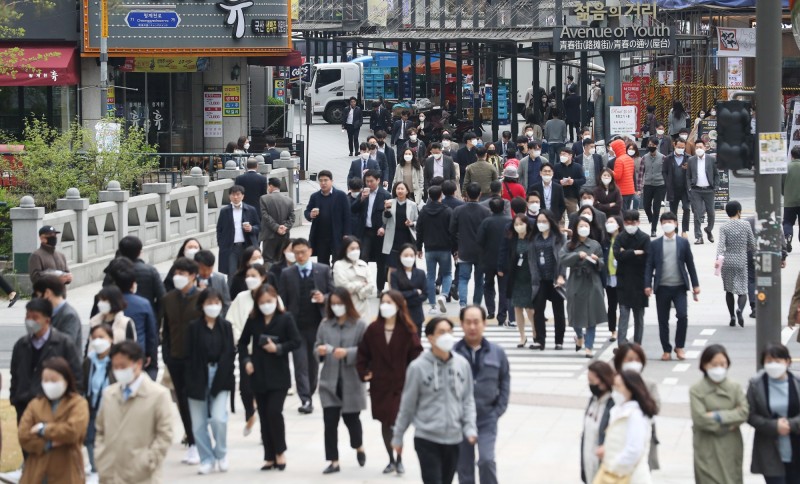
(391,161)
(358,116)
(448,171)
(341,218)
(226,234)
(380,119)
(598,165)
(668,172)
(665,146)
(274,154)
(527,179)
(557,203)
(290,289)
(255,186)
(511,149)
(655,263)
(383,166)
(26,377)
(361,208)
(276,210)
(711,171)
(397,130)
(355,168)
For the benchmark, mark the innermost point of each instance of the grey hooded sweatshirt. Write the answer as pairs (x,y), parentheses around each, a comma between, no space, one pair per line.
(438,399)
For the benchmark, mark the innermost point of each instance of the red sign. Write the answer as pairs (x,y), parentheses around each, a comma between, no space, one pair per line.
(631,96)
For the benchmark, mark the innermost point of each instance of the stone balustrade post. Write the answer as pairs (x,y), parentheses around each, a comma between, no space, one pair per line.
(286,161)
(115,193)
(74,202)
(197,179)
(163,190)
(26,220)
(230,172)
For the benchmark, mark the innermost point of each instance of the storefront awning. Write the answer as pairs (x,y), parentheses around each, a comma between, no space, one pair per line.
(292,59)
(40,65)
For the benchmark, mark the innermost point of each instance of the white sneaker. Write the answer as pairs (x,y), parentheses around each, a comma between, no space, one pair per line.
(92,478)
(13,476)
(440,300)
(290,392)
(223,464)
(206,468)
(192,457)
(434,311)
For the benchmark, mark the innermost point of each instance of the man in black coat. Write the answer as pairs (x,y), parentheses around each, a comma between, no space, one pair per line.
(381,118)
(630,251)
(572,111)
(465,155)
(148,280)
(674,170)
(351,122)
(362,164)
(505,147)
(271,153)
(380,158)
(464,232)
(328,210)
(552,194)
(433,234)
(369,208)
(237,229)
(491,232)
(435,163)
(595,162)
(254,184)
(400,130)
(391,157)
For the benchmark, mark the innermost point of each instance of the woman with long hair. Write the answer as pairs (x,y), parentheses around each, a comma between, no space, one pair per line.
(286,260)
(585,304)
(607,197)
(341,391)
(411,282)
(189,248)
(389,345)
(548,277)
(273,335)
(250,256)
(409,171)
(351,272)
(595,418)
(597,232)
(53,428)
(97,375)
(678,119)
(399,220)
(609,273)
(110,307)
(515,264)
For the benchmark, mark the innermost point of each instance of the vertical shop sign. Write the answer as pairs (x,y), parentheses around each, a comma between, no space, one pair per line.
(212,111)
(231,96)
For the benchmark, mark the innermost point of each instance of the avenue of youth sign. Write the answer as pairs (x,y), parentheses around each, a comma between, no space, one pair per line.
(576,39)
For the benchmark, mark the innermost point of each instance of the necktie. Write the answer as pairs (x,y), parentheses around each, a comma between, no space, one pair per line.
(126,394)
(305,273)
(403,130)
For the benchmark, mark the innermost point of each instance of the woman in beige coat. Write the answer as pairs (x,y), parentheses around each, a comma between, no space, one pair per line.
(409,170)
(352,273)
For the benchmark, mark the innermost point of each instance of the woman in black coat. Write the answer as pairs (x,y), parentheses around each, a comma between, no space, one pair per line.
(209,379)
(273,335)
(630,251)
(412,283)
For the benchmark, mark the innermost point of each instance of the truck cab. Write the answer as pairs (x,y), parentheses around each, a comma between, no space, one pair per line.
(332,85)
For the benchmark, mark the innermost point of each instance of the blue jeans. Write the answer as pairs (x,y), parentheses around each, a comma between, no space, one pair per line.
(464,272)
(443,259)
(91,432)
(211,412)
(589,343)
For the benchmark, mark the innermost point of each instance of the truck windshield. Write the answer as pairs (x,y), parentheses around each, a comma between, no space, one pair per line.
(327,76)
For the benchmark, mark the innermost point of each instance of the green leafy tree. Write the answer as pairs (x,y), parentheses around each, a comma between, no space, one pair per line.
(13,59)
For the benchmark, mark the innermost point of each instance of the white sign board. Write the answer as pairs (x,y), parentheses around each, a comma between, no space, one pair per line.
(623,120)
(107,136)
(735,72)
(772,155)
(212,112)
(735,42)
(666,77)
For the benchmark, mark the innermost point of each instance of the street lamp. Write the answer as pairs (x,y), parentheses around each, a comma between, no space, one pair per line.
(235,72)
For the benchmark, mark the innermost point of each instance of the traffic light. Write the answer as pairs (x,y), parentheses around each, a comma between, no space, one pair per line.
(734,139)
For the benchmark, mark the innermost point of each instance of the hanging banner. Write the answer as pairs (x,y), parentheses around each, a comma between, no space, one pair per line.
(632,96)
(212,111)
(735,72)
(377,12)
(165,64)
(734,42)
(623,120)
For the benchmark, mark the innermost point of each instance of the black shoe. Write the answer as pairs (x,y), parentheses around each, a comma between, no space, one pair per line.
(522,345)
(331,469)
(306,408)
(536,346)
(448,298)
(653,234)
(16,298)
(740,317)
(512,324)
(710,236)
(361,457)
(699,241)
(454,295)
(559,347)
(438,289)
(490,316)
(281,467)
(268,467)
(501,321)
(350,154)
(789,243)
(390,468)
(753,313)
(732,322)
(399,468)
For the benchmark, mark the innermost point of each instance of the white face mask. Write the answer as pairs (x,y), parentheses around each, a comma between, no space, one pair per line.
(437,156)
(54,390)
(700,152)
(407,262)
(180,281)
(529,134)
(775,369)
(713,112)
(631,229)
(717,374)
(631,152)
(124,376)
(190,253)
(267,308)
(446,342)
(408,157)
(413,137)
(422,118)
(212,310)
(680,151)
(564,159)
(520,229)
(606,180)
(252,282)
(103,307)
(634,366)
(365,156)
(584,231)
(257,261)
(387,310)
(536,153)
(588,216)
(543,227)
(592,151)
(100,345)
(618,398)
(659,132)
(668,228)
(534,207)
(611,227)
(338,310)
(247,146)
(684,137)
(446,143)
(354,255)
(289,256)
(547,178)
(587,202)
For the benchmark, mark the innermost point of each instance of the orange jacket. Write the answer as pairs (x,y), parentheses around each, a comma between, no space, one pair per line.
(623,169)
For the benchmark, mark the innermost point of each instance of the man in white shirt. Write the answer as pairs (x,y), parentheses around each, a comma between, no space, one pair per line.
(703,179)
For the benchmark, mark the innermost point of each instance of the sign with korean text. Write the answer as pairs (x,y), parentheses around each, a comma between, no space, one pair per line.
(165,64)
(279,89)
(599,11)
(772,157)
(795,129)
(269,27)
(583,38)
(623,120)
(232,101)
(157,19)
(632,96)
(212,111)
(111,100)
(735,42)
(735,72)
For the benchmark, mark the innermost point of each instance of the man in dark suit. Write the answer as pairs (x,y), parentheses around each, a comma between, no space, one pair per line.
(363,163)
(595,167)
(303,283)
(379,157)
(465,155)
(665,274)
(380,118)
(505,147)
(369,208)
(391,157)
(254,184)
(551,192)
(328,210)
(399,130)
(352,120)
(237,229)
(578,146)
(674,172)
(277,220)
(703,180)
(273,152)
(664,141)
(437,164)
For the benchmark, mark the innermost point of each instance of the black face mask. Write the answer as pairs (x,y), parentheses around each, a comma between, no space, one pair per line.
(52,240)
(652,149)
(381,142)
(491,152)
(596,391)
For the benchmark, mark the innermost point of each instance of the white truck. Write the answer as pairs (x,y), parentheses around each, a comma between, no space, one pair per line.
(332,86)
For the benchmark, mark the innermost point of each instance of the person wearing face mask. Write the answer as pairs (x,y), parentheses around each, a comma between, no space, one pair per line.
(587,200)
(674,171)
(597,231)
(269,335)
(607,197)
(663,141)
(571,177)
(111,307)
(552,193)
(736,241)
(286,260)
(595,419)
(624,171)
(237,283)
(254,184)
(613,228)
(207,277)
(630,250)
(46,260)
(665,274)
(411,283)
(449,147)
(437,165)
(178,309)
(341,391)
(703,178)
(772,395)
(465,155)
(513,266)
(627,439)
(441,422)
(585,305)
(97,375)
(369,207)
(719,408)
(210,380)
(189,249)
(362,164)
(277,220)
(415,144)
(653,185)
(409,171)
(237,229)
(65,317)
(548,277)
(399,225)
(241,148)
(424,128)
(352,120)
(134,423)
(351,272)
(591,162)
(378,155)
(530,164)
(53,428)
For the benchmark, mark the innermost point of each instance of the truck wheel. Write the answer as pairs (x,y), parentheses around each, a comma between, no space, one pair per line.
(334,113)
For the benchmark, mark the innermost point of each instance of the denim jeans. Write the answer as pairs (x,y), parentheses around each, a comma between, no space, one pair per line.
(211,412)
(464,273)
(444,260)
(666,296)
(590,331)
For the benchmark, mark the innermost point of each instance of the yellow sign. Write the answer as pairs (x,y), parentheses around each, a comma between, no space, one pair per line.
(165,64)
(111,102)
(231,101)
(104,18)
(295,9)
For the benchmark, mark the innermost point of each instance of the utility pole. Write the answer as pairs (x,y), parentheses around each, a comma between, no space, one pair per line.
(768,187)
(103,58)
